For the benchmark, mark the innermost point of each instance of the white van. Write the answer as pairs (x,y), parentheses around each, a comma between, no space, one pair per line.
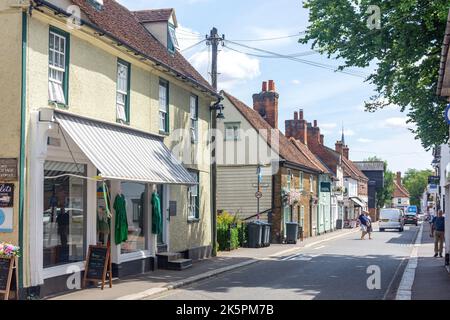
(391,219)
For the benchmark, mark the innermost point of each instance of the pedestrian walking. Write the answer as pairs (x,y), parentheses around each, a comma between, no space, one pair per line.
(369,225)
(363,223)
(438,231)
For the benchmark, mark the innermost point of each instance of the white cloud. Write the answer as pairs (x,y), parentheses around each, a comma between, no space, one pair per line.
(233,67)
(396,122)
(296,82)
(328,125)
(364,140)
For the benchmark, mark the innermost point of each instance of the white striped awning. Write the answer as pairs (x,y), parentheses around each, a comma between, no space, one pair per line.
(124,154)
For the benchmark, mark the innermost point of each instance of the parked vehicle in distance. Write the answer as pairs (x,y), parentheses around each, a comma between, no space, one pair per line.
(391,218)
(411,216)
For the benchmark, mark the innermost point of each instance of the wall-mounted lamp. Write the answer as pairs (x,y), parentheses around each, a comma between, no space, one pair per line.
(218,106)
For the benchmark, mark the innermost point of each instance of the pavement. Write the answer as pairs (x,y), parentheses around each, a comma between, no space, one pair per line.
(432,280)
(157,282)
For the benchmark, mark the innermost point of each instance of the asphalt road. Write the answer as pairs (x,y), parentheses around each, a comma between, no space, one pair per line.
(337,269)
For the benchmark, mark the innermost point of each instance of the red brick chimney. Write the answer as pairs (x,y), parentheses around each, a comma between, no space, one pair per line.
(266,104)
(346,151)
(339,147)
(399,178)
(322,137)
(313,134)
(297,128)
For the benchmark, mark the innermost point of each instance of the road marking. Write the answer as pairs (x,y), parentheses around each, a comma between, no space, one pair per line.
(321,247)
(404,291)
(300,257)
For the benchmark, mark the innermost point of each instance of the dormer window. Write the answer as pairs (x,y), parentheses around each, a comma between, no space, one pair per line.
(97,4)
(172,42)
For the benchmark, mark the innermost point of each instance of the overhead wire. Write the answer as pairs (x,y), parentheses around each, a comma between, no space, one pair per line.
(312,63)
(192,46)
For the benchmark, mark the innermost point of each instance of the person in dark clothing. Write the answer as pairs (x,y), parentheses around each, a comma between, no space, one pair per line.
(363,221)
(438,231)
(63,221)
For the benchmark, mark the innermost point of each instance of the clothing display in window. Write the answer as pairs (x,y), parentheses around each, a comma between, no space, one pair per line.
(121,225)
(156,214)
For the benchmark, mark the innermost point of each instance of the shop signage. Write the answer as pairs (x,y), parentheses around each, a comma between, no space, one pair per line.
(8,276)
(6,195)
(8,169)
(98,266)
(325,187)
(434,179)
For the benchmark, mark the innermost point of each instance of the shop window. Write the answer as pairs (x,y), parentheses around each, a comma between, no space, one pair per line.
(193,198)
(193,106)
(163,106)
(64,214)
(104,213)
(123,92)
(58,66)
(135,195)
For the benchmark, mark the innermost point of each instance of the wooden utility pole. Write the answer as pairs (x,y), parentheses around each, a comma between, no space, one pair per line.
(214,40)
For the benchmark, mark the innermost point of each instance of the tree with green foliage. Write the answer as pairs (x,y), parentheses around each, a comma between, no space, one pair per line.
(403,42)
(415,182)
(384,195)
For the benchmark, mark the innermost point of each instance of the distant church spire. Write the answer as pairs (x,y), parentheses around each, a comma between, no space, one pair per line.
(343,138)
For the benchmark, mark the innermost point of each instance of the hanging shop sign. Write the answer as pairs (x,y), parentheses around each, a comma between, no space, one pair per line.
(8,169)
(98,266)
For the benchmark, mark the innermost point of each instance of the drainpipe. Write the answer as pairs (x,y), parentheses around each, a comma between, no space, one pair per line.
(22,142)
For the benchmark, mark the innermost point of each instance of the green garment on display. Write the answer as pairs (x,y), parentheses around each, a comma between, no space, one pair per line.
(156,214)
(121,228)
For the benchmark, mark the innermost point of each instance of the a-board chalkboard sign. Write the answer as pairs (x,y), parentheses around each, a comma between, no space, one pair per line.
(98,265)
(8,277)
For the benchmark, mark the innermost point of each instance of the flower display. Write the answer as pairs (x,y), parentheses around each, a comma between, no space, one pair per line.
(8,250)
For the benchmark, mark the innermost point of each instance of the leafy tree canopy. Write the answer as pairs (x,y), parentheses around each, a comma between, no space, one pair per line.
(405,50)
(415,182)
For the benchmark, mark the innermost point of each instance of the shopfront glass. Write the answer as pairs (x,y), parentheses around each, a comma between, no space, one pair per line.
(135,195)
(64,214)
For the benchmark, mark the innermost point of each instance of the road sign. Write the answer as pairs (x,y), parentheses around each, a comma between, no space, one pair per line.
(258,195)
(447,114)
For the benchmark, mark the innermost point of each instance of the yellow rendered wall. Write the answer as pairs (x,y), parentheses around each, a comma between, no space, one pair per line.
(10,97)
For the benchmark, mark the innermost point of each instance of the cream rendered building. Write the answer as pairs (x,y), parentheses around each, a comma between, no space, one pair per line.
(100,101)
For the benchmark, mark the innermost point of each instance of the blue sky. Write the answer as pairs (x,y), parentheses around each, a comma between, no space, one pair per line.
(331,98)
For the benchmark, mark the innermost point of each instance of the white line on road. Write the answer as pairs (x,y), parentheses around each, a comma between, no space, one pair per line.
(404,291)
(321,247)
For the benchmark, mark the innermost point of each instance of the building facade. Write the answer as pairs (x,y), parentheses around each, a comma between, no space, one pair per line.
(289,180)
(401,195)
(93,112)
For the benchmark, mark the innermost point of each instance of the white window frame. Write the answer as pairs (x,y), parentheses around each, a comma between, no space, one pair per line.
(289,179)
(193,109)
(235,127)
(163,109)
(301,180)
(311,183)
(193,198)
(57,67)
(122,92)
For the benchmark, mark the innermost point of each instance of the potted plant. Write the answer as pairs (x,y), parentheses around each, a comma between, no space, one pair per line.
(8,250)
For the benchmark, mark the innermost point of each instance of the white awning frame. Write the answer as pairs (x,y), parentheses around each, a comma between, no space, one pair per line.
(122,153)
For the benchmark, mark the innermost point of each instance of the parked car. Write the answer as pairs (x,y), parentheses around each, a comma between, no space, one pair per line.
(391,219)
(411,218)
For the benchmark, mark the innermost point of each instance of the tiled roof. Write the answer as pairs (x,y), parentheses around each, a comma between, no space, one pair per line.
(153,15)
(310,156)
(351,170)
(121,23)
(286,149)
(400,191)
